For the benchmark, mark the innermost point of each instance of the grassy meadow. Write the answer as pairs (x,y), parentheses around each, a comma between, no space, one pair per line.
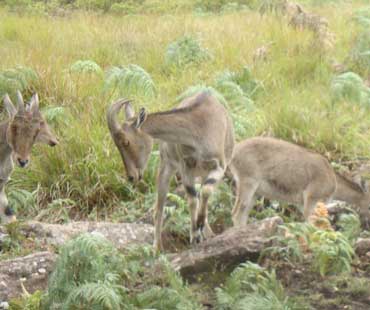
(84,177)
(275,79)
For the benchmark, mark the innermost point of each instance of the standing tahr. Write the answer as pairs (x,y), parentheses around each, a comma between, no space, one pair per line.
(25,127)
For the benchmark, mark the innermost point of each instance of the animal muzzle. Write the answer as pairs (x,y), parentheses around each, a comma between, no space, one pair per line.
(22,161)
(53,142)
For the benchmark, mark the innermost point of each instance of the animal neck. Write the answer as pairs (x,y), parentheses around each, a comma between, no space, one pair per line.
(349,191)
(172,127)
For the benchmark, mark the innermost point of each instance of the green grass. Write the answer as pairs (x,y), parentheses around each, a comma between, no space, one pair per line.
(295,103)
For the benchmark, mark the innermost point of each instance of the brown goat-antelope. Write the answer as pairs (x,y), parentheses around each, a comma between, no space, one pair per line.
(24,127)
(283,171)
(196,140)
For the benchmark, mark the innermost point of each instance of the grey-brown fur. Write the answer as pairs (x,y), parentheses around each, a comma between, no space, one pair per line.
(196,140)
(284,171)
(18,134)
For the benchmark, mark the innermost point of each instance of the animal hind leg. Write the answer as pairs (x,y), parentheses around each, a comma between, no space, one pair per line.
(193,202)
(209,185)
(244,202)
(309,203)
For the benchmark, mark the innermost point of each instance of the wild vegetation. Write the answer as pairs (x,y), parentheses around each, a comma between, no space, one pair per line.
(82,55)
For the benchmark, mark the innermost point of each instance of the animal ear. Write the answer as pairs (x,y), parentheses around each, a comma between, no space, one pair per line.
(129,110)
(141,118)
(9,107)
(34,103)
(361,182)
(365,185)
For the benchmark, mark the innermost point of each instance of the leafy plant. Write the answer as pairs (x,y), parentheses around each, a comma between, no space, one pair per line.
(251,287)
(86,66)
(18,78)
(28,302)
(359,57)
(177,215)
(97,295)
(290,243)
(82,264)
(21,200)
(185,51)
(332,252)
(53,114)
(350,86)
(91,273)
(176,296)
(350,226)
(362,17)
(130,80)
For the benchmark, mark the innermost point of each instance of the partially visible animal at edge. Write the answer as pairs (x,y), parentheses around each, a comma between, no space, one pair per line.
(279,170)
(196,140)
(25,127)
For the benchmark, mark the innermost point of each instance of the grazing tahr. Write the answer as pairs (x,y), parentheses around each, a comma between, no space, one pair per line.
(196,140)
(283,171)
(24,127)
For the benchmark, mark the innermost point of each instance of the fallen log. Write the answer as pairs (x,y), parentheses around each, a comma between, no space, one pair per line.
(120,234)
(229,249)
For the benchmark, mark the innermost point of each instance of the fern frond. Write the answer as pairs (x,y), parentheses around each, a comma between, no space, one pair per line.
(18,78)
(130,80)
(350,226)
(85,259)
(247,283)
(105,296)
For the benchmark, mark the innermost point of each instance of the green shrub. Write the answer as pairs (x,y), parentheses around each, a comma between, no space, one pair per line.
(18,78)
(332,252)
(184,51)
(362,17)
(251,287)
(86,66)
(83,263)
(359,57)
(350,226)
(90,273)
(30,302)
(350,86)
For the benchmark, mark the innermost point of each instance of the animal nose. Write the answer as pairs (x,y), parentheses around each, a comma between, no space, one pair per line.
(131,179)
(22,162)
(53,143)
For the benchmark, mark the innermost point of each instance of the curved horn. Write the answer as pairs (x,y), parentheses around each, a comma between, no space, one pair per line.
(112,113)
(20,102)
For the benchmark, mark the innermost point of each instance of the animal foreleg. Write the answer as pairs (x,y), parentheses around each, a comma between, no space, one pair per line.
(163,181)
